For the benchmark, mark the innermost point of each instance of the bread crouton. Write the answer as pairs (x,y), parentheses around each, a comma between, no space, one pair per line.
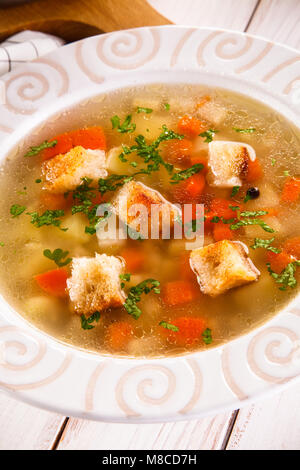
(227,161)
(222,266)
(65,171)
(95,284)
(212,112)
(155,209)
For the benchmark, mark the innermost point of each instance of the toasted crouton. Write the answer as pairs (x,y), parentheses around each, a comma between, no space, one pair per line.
(222,266)
(65,171)
(212,112)
(95,283)
(136,205)
(227,161)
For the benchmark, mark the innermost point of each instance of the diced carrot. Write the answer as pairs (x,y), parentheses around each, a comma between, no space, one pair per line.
(178,292)
(222,232)
(178,151)
(279,261)
(189,191)
(134,259)
(64,144)
(53,282)
(55,201)
(89,138)
(254,171)
(292,247)
(194,159)
(191,126)
(118,335)
(185,270)
(208,224)
(190,331)
(291,190)
(205,99)
(220,208)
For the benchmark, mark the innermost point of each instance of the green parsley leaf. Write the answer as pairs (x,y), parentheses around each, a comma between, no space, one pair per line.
(135,293)
(125,277)
(49,217)
(58,256)
(235,190)
(38,180)
(287,277)
(126,127)
(253,213)
(208,135)
(167,106)
(17,210)
(261,243)
(36,150)
(244,222)
(273,162)
(86,323)
(144,110)
(168,326)
(286,173)
(244,131)
(185,174)
(2,244)
(207,337)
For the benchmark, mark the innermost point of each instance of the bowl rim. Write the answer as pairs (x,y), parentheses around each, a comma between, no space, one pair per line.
(75,98)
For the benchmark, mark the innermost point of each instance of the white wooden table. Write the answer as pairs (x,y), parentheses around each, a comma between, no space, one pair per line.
(270,424)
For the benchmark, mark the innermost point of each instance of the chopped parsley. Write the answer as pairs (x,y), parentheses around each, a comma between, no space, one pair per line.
(207,337)
(124,277)
(208,135)
(36,150)
(286,173)
(168,326)
(167,106)
(250,130)
(287,277)
(2,244)
(253,213)
(49,217)
(86,323)
(248,221)
(112,182)
(235,190)
(58,256)
(135,293)
(17,210)
(185,174)
(126,127)
(144,110)
(267,244)
(150,152)
(38,180)
(273,162)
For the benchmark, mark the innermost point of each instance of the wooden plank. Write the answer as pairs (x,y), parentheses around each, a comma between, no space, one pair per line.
(232,14)
(207,433)
(271,424)
(23,427)
(278,20)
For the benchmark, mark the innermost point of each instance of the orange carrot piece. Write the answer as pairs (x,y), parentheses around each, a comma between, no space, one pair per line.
(55,201)
(254,171)
(191,126)
(134,259)
(53,282)
(220,208)
(222,232)
(199,159)
(90,138)
(190,331)
(190,191)
(178,292)
(178,151)
(291,190)
(279,261)
(118,335)
(292,247)
(64,144)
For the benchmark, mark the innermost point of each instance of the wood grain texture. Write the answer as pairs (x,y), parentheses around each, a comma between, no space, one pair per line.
(23,427)
(233,14)
(75,19)
(272,424)
(278,20)
(207,433)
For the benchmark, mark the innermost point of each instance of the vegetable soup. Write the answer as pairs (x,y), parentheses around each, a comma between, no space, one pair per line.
(166,146)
